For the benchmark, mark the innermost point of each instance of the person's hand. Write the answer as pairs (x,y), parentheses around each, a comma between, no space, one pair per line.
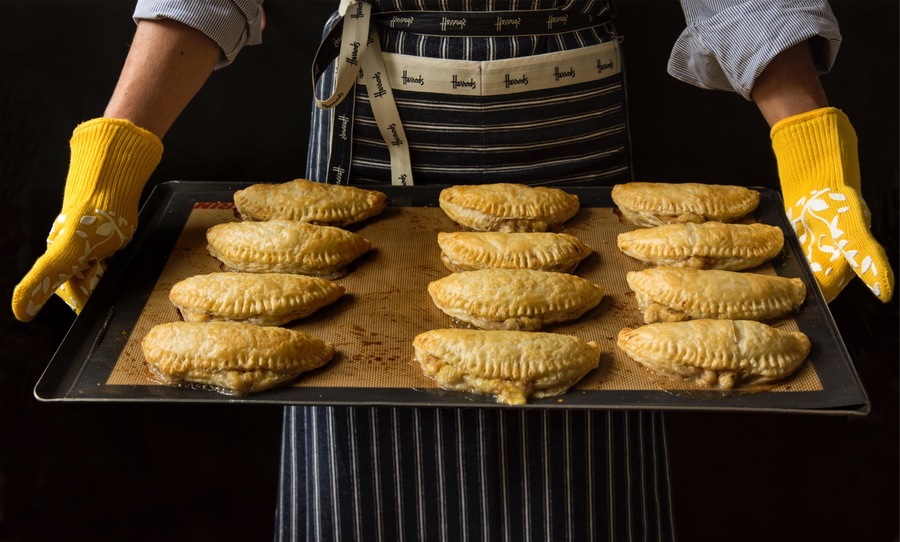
(819,170)
(111,160)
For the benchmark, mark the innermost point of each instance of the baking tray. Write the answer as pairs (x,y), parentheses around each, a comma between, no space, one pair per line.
(374,324)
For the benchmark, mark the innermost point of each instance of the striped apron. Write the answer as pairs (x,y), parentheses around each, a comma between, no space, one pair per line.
(383,473)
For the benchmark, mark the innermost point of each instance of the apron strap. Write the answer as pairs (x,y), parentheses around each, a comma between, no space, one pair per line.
(358,53)
(381,97)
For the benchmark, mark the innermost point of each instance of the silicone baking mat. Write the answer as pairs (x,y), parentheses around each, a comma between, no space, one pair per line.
(386,304)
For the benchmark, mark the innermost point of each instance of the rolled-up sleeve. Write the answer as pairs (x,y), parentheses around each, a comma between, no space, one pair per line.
(728,43)
(232,24)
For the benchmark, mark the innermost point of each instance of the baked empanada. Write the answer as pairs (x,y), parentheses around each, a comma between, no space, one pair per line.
(544,251)
(710,245)
(232,357)
(308,201)
(671,294)
(653,204)
(716,353)
(285,246)
(511,365)
(514,299)
(267,299)
(508,207)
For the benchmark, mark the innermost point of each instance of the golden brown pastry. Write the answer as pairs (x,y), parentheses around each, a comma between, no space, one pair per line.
(710,245)
(653,204)
(716,353)
(514,299)
(308,201)
(285,246)
(544,251)
(511,365)
(234,358)
(508,207)
(266,299)
(671,294)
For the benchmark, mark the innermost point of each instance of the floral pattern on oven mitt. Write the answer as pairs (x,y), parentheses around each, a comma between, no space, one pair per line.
(111,161)
(819,170)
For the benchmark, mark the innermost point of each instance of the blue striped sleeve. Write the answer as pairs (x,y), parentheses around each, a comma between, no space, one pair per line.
(728,43)
(232,24)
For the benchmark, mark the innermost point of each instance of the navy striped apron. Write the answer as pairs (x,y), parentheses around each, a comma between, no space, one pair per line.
(572,132)
(382,473)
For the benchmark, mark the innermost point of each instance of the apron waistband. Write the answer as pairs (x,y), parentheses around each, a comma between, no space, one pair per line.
(496,77)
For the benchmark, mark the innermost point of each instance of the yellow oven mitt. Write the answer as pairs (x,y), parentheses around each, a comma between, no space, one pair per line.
(819,170)
(111,160)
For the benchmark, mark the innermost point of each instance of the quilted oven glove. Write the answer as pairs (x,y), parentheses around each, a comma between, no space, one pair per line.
(111,160)
(819,170)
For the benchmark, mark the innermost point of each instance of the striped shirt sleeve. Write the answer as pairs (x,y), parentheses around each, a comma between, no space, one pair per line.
(728,43)
(232,24)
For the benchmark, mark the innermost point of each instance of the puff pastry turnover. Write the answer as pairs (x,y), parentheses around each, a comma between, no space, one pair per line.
(511,365)
(508,207)
(267,299)
(710,245)
(308,201)
(514,299)
(716,353)
(671,294)
(544,251)
(234,358)
(285,246)
(653,204)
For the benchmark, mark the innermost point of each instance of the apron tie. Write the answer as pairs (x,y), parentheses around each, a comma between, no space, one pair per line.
(358,54)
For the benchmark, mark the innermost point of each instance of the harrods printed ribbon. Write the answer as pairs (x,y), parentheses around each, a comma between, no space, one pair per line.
(381,96)
(508,76)
(351,49)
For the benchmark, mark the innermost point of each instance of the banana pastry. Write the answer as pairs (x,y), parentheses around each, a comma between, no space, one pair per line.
(672,294)
(266,299)
(508,207)
(653,204)
(308,201)
(514,299)
(544,251)
(285,246)
(716,353)
(710,245)
(511,365)
(234,358)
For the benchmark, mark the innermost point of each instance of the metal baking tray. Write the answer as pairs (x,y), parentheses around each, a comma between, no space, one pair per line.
(374,324)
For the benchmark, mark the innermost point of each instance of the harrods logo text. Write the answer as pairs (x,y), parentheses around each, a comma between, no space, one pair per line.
(503,23)
(603,66)
(353,59)
(509,81)
(407,80)
(339,174)
(456,24)
(397,142)
(379,85)
(404,21)
(561,75)
(345,123)
(561,20)
(464,84)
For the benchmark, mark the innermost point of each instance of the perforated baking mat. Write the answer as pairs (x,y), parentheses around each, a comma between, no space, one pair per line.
(386,305)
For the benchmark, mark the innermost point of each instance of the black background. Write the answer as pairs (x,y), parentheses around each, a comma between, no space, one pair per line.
(200,472)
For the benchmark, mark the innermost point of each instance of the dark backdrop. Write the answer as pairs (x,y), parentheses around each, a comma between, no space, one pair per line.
(180,472)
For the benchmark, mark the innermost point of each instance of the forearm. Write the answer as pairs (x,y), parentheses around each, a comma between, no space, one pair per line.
(167,64)
(789,85)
